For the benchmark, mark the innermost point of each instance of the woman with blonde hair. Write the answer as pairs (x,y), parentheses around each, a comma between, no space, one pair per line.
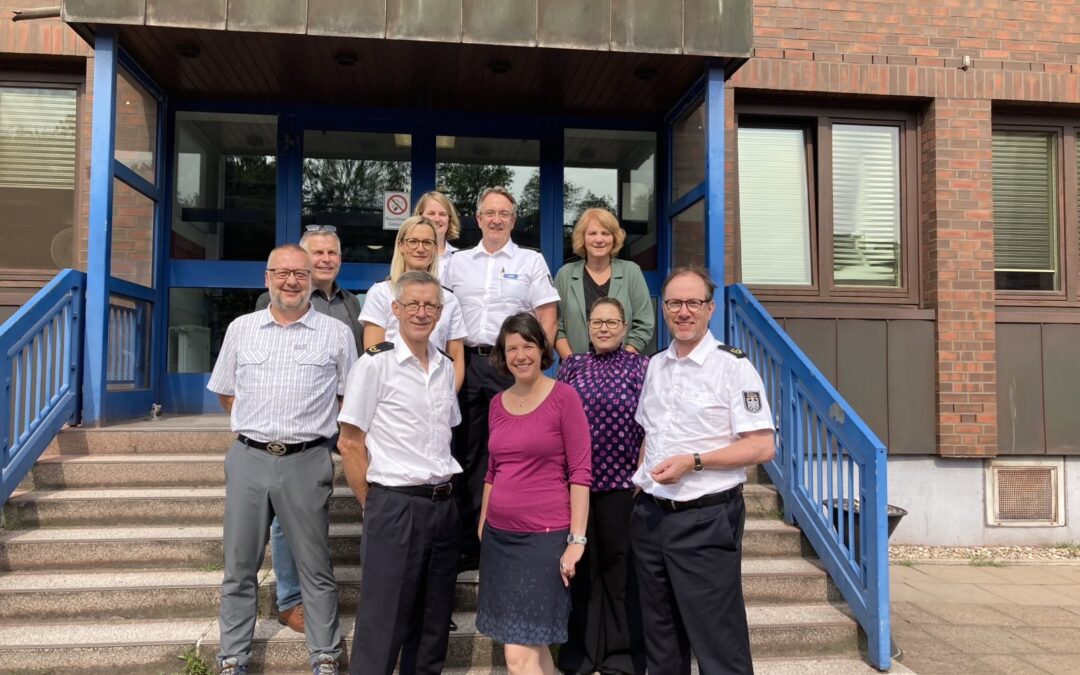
(599,273)
(414,249)
(437,207)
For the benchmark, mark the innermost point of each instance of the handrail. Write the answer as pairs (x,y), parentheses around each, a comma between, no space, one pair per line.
(827,459)
(41,371)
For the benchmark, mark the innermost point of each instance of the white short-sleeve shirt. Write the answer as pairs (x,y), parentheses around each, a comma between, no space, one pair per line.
(493,286)
(286,378)
(698,403)
(444,259)
(406,413)
(377,311)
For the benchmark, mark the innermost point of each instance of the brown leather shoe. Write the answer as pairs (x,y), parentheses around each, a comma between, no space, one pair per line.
(293,617)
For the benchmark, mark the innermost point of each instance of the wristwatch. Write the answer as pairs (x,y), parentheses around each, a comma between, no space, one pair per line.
(698,466)
(575,539)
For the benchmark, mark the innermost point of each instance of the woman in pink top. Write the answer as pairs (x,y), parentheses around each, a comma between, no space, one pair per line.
(536,502)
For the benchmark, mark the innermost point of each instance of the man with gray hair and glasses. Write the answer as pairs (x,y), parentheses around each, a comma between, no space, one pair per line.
(492,281)
(395,419)
(322,244)
(279,375)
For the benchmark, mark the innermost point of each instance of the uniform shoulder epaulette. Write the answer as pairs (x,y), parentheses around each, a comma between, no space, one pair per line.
(734,351)
(379,348)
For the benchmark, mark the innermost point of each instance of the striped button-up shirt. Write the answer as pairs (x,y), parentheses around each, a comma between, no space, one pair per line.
(285,378)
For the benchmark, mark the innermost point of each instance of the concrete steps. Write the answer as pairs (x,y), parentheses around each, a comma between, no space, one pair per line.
(111,559)
(153,646)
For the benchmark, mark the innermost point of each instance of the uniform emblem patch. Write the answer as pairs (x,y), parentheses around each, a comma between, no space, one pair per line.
(752,401)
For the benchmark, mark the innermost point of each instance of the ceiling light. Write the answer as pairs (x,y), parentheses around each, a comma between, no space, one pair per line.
(346,58)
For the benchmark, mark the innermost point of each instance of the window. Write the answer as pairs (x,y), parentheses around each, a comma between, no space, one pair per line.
(826,205)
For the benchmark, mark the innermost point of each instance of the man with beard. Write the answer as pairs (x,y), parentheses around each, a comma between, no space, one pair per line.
(279,373)
(395,447)
(322,244)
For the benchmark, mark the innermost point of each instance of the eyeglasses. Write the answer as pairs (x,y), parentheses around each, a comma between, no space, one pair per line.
(491,213)
(610,324)
(412,244)
(320,228)
(283,273)
(412,308)
(693,305)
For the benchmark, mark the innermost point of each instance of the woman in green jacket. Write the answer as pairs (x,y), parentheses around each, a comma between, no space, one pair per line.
(597,239)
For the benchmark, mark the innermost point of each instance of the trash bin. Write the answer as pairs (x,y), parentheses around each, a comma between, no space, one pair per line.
(839,510)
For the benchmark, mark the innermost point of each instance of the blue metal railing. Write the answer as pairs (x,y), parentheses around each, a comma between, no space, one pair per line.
(827,461)
(41,370)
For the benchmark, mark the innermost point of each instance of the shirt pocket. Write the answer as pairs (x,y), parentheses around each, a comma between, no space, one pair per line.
(313,368)
(514,288)
(253,369)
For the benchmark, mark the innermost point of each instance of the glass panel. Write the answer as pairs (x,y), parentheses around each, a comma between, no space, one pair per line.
(198,318)
(132,235)
(774,207)
(1025,210)
(688,236)
(226,186)
(345,176)
(688,152)
(465,166)
(866,205)
(613,170)
(136,126)
(128,365)
(37,177)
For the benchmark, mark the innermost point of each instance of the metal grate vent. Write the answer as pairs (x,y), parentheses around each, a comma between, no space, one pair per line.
(1026,493)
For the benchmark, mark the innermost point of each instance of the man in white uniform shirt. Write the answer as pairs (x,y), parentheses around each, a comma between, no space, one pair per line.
(492,281)
(279,374)
(706,419)
(395,446)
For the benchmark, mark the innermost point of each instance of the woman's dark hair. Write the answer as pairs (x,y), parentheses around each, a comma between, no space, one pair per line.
(608,300)
(525,325)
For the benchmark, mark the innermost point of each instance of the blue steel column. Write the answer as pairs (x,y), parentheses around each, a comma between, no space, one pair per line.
(103,137)
(714,189)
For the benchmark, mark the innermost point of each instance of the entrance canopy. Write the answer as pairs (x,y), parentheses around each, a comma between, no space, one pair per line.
(623,58)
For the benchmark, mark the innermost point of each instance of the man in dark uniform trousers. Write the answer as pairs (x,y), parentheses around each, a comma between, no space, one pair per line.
(279,374)
(324,247)
(395,447)
(492,281)
(706,419)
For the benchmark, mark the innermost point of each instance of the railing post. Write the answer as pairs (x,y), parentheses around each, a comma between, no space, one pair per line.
(876,525)
(103,137)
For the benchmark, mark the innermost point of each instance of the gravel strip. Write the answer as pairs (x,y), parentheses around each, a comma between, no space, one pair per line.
(1063,552)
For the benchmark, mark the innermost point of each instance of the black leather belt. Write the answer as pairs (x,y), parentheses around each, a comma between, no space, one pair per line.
(279,449)
(433,492)
(480,350)
(705,500)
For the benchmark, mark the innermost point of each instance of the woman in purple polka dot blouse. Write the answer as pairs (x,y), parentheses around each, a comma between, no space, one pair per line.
(609,379)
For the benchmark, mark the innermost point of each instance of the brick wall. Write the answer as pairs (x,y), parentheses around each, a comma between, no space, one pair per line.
(861,51)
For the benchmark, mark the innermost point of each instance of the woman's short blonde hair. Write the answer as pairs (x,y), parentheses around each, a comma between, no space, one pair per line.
(453,231)
(605,219)
(397,263)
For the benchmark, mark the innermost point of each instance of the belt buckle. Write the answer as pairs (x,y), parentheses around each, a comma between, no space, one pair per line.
(441,490)
(669,504)
(276,448)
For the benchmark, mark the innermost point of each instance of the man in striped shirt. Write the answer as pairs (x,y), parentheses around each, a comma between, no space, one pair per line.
(279,374)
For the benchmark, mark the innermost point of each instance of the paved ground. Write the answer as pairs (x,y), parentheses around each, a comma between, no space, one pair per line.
(964,618)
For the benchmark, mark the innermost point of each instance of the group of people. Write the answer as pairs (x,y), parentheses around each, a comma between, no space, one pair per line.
(464,454)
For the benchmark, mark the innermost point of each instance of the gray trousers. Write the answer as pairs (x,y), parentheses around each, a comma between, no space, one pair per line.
(297,489)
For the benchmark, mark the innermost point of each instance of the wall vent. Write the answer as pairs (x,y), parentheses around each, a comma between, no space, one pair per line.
(1025,493)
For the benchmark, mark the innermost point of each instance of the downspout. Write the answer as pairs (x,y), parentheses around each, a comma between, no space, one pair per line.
(39,13)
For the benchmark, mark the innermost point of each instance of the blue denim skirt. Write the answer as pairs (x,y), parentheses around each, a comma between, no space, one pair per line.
(522,598)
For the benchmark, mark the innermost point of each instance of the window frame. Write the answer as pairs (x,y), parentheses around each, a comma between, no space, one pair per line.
(1064,131)
(817,123)
(68,79)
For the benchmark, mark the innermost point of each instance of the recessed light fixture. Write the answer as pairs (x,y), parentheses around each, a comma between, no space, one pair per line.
(499,67)
(188,50)
(346,58)
(645,73)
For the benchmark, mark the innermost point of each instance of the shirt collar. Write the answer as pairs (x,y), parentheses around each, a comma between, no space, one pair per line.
(334,292)
(450,248)
(402,352)
(700,352)
(305,320)
(509,250)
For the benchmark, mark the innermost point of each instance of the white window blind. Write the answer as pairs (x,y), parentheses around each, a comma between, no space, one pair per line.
(866,205)
(774,208)
(37,138)
(1025,201)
